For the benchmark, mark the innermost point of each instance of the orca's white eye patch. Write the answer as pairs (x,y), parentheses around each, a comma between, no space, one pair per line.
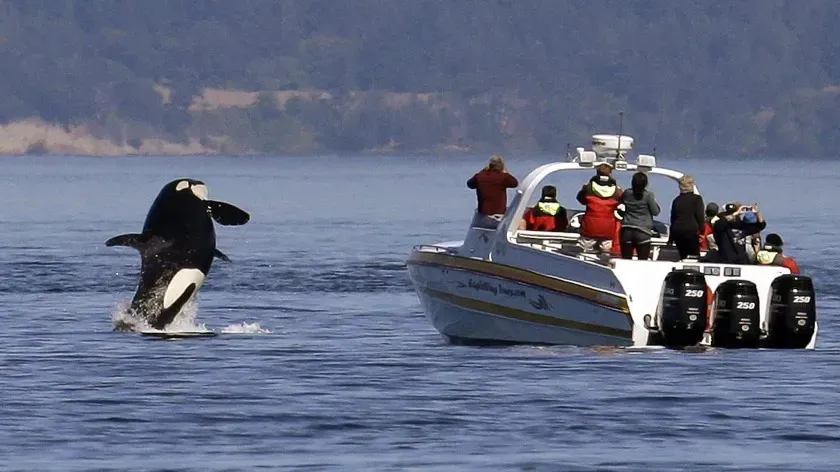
(182,185)
(199,191)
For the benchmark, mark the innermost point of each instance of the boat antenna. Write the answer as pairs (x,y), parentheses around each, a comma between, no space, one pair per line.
(620,130)
(568,155)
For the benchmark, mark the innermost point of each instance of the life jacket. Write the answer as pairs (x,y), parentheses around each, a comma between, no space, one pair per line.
(767,256)
(615,250)
(543,217)
(599,221)
(710,303)
(791,265)
(708,229)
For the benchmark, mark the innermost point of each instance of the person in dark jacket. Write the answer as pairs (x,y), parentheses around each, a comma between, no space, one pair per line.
(547,214)
(687,219)
(731,229)
(491,184)
(640,207)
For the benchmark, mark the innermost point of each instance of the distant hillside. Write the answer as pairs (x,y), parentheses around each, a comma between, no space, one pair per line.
(753,77)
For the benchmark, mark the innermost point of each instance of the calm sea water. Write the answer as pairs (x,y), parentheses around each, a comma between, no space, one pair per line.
(325,360)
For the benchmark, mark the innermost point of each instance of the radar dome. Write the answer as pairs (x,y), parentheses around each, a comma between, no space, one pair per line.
(607,145)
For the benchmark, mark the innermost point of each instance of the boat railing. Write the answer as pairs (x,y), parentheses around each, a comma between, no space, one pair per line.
(433,248)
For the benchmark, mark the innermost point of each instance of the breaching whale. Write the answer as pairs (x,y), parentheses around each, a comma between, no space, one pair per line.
(177,247)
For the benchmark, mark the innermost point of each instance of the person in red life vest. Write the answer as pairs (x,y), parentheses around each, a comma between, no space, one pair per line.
(547,214)
(707,237)
(490,185)
(615,245)
(771,254)
(601,196)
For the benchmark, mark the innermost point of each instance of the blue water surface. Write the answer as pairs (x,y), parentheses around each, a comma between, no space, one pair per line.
(325,360)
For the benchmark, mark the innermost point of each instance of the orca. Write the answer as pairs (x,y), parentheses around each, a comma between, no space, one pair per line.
(177,247)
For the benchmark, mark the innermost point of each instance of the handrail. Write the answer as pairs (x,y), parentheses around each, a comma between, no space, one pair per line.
(434,248)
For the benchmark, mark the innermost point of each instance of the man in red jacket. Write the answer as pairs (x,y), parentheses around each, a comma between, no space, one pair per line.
(491,184)
(601,196)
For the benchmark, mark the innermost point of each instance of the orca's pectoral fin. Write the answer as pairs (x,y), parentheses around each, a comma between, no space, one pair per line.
(220,255)
(226,214)
(137,241)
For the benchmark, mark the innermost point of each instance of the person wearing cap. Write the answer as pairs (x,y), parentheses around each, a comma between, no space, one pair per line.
(547,214)
(601,197)
(772,254)
(730,231)
(687,219)
(490,185)
(640,207)
(707,238)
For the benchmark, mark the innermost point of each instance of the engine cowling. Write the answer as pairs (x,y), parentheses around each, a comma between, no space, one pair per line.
(682,317)
(793,312)
(737,315)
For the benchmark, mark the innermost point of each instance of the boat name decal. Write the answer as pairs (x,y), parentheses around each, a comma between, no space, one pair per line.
(496,289)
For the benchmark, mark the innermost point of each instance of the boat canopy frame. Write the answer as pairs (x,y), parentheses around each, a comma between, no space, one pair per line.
(532,181)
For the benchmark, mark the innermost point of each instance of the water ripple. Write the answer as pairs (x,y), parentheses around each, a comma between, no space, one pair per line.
(348,373)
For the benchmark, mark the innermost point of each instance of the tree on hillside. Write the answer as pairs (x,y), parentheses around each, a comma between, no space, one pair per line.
(692,77)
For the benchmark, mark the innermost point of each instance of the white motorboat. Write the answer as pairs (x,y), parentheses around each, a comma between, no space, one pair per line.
(508,285)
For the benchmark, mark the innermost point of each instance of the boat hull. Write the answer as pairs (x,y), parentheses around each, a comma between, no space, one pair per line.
(477,308)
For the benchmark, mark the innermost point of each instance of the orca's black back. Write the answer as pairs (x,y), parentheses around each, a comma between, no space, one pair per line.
(185,223)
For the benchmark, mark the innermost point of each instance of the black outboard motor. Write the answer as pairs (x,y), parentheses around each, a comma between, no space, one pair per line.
(737,315)
(793,312)
(684,305)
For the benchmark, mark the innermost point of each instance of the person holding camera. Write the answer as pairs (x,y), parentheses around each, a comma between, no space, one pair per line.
(490,185)
(731,230)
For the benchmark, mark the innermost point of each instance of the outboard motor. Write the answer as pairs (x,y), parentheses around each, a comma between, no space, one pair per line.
(793,312)
(682,319)
(737,315)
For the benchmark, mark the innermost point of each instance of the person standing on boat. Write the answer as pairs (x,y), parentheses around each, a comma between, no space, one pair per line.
(707,239)
(640,207)
(601,197)
(490,185)
(772,254)
(687,219)
(731,229)
(547,214)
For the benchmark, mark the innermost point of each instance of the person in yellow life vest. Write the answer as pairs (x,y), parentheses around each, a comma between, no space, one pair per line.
(601,197)
(771,254)
(547,214)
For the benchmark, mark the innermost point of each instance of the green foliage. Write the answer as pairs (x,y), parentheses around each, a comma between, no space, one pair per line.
(746,77)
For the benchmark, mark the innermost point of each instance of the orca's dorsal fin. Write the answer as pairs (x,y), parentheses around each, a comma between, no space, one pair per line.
(220,255)
(226,214)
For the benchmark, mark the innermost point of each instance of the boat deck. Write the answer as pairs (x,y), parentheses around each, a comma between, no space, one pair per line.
(567,245)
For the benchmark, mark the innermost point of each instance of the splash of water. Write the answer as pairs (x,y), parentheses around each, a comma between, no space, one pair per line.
(246,328)
(126,320)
